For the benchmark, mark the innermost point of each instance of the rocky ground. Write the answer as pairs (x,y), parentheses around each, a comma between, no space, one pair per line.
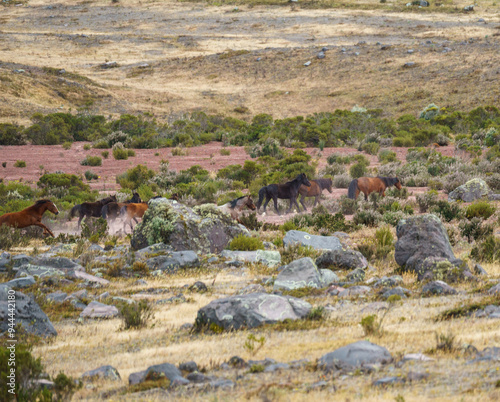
(217,331)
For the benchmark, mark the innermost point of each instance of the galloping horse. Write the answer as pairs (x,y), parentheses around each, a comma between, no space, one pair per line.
(132,211)
(317,186)
(368,185)
(289,190)
(88,209)
(110,211)
(235,207)
(30,216)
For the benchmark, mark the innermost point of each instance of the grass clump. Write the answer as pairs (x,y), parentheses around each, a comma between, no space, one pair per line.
(479,209)
(11,237)
(488,250)
(67,145)
(256,368)
(225,152)
(119,151)
(20,164)
(178,151)
(105,154)
(254,344)
(246,243)
(474,229)
(467,309)
(136,315)
(91,161)
(90,175)
(250,221)
(140,268)
(447,211)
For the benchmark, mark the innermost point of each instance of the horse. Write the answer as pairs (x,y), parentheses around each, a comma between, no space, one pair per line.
(368,185)
(289,190)
(317,186)
(90,209)
(236,206)
(110,211)
(132,211)
(31,216)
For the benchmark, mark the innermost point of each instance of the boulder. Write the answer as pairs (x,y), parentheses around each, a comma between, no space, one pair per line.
(355,355)
(56,262)
(419,238)
(301,273)
(108,373)
(23,282)
(253,288)
(27,313)
(173,261)
(472,190)
(86,277)
(358,275)
(38,271)
(342,259)
(251,310)
(354,291)
(57,297)
(495,290)
(99,310)
(294,237)
(438,288)
(268,257)
(441,269)
(204,228)
(168,370)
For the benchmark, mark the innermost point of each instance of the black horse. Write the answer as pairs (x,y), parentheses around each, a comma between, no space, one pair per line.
(112,210)
(289,190)
(90,209)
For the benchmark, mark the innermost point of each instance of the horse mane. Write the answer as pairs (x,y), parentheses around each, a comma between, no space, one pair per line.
(39,202)
(234,203)
(389,181)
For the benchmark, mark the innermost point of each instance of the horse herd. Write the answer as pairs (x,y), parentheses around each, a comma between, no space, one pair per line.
(109,208)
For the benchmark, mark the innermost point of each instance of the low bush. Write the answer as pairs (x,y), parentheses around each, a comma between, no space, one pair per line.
(178,151)
(348,206)
(94,229)
(479,209)
(133,178)
(250,221)
(119,151)
(358,170)
(427,200)
(89,175)
(367,217)
(370,148)
(91,161)
(447,211)
(393,217)
(487,250)
(136,315)
(225,152)
(474,229)
(20,164)
(105,154)
(10,238)
(387,156)
(67,145)
(246,243)
(339,158)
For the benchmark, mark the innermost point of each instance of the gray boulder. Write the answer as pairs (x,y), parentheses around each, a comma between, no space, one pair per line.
(355,355)
(358,275)
(23,282)
(99,310)
(495,290)
(204,228)
(27,313)
(419,238)
(438,288)
(253,288)
(108,373)
(472,190)
(86,277)
(354,291)
(173,261)
(57,297)
(342,259)
(294,237)
(270,258)
(38,271)
(167,370)
(251,310)
(56,262)
(301,273)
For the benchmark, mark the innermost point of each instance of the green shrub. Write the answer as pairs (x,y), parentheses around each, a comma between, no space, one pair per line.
(10,237)
(371,148)
(94,229)
(105,154)
(488,250)
(20,164)
(435,184)
(135,177)
(370,325)
(225,152)
(86,147)
(358,170)
(479,209)
(339,158)
(447,211)
(348,206)
(250,221)
(67,145)
(474,229)
(119,152)
(393,217)
(89,175)
(387,156)
(130,153)
(427,200)
(402,142)
(91,161)
(367,218)
(341,181)
(65,387)
(384,237)
(136,315)
(246,243)
(178,151)
(12,134)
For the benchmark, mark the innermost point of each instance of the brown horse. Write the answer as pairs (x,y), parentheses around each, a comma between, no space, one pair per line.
(235,207)
(31,216)
(90,209)
(317,186)
(368,185)
(112,210)
(132,211)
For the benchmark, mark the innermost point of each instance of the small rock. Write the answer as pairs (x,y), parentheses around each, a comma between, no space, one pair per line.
(324,49)
(19,283)
(355,291)
(321,55)
(469,8)
(253,288)
(99,310)
(199,287)
(417,356)
(495,289)
(307,63)
(402,292)
(479,270)
(109,64)
(190,367)
(411,51)
(439,288)
(56,297)
(102,373)
(385,47)
(409,64)
(358,275)
(383,382)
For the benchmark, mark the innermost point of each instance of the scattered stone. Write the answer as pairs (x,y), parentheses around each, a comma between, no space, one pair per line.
(38,272)
(56,262)
(355,291)
(328,277)
(335,290)
(204,228)
(474,189)
(198,378)
(469,8)
(57,297)
(402,292)
(270,258)
(103,296)
(99,310)
(251,310)
(168,370)
(481,20)
(385,47)
(479,270)
(108,373)
(299,274)
(73,274)
(27,313)
(321,55)
(409,64)
(173,300)
(358,275)
(488,354)
(324,49)
(253,288)
(383,382)
(108,64)
(20,260)
(199,287)
(19,283)
(438,288)
(411,51)
(342,259)
(140,282)
(237,362)
(187,326)
(190,366)
(418,357)
(389,282)
(307,63)
(276,367)
(156,249)
(495,290)
(294,237)
(424,3)
(355,355)
(490,311)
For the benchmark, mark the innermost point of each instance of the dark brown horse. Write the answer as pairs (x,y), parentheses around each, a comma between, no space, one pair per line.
(132,211)
(317,186)
(31,216)
(368,185)
(90,209)
(289,190)
(112,210)
(236,207)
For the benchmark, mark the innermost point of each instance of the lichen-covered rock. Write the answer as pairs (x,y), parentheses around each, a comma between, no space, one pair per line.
(108,373)
(251,310)
(302,273)
(165,370)
(171,262)
(438,288)
(27,313)
(472,190)
(270,258)
(294,237)
(99,310)
(342,259)
(441,269)
(357,354)
(204,228)
(420,238)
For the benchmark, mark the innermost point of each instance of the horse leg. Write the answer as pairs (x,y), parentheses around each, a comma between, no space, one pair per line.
(296,203)
(275,200)
(79,222)
(366,196)
(45,228)
(302,202)
(266,202)
(316,200)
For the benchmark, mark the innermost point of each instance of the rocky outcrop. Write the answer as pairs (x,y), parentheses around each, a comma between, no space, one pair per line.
(342,259)
(203,229)
(302,273)
(472,190)
(294,237)
(251,310)
(355,355)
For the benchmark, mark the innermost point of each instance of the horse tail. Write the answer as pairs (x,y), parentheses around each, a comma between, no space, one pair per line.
(76,209)
(351,192)
(104,211)
(262,194)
